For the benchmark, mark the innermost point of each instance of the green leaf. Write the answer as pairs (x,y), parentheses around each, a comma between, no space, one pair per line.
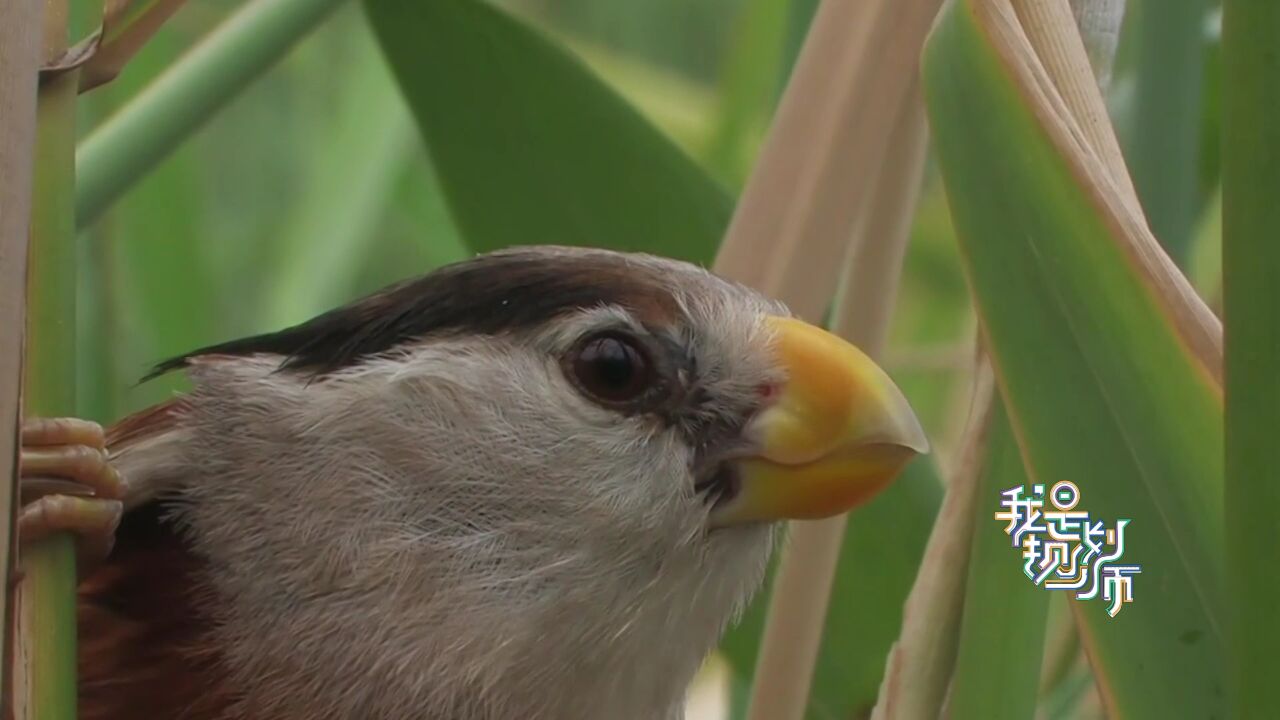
(1002,630)
(531,147)
(679,107)
(1251,262)
(872,582)
(1162,142)
(1098,382)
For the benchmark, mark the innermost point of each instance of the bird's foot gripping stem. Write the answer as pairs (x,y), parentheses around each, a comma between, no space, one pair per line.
(67,483)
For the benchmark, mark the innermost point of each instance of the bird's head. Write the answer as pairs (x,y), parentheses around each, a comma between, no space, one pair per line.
(536,479)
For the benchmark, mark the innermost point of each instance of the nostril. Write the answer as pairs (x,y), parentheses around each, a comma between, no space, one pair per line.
(768,391)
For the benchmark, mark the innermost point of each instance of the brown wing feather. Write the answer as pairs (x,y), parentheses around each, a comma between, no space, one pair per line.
(147,423)
(144,645)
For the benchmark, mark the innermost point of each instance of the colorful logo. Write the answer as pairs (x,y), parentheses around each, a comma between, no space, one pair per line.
(1064,549)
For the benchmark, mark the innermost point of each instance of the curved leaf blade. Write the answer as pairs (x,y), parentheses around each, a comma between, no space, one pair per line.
(531,147)
(1100,386)
(1003,625)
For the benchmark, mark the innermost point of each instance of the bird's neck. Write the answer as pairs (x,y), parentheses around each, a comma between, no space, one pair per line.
(147,649)
(150,647)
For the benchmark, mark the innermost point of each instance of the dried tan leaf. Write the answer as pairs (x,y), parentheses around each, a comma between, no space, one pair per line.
(920,664)
(919,669)
(72,58)
(1099,22)
(802,587)
(819,164)
(20,60)
(1039,45)
(851,104)
(126,26)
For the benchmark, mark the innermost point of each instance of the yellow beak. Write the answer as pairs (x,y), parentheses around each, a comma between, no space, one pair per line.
(837,433)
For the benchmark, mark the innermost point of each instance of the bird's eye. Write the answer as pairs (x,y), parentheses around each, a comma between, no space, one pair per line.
(612,368)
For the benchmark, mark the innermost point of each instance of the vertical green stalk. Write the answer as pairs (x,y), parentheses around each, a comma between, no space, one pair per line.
(1163,143)
(176,104)
(1251,264)
(46,596)
(47,630)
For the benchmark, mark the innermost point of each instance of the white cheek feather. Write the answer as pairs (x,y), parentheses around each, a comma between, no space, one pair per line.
(453,533)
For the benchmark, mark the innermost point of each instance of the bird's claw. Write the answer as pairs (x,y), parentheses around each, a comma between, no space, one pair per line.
(67,483)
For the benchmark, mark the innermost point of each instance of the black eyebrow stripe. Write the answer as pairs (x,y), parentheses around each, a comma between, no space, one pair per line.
(487,295)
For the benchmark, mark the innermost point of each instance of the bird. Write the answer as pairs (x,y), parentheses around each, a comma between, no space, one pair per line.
(536,483)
